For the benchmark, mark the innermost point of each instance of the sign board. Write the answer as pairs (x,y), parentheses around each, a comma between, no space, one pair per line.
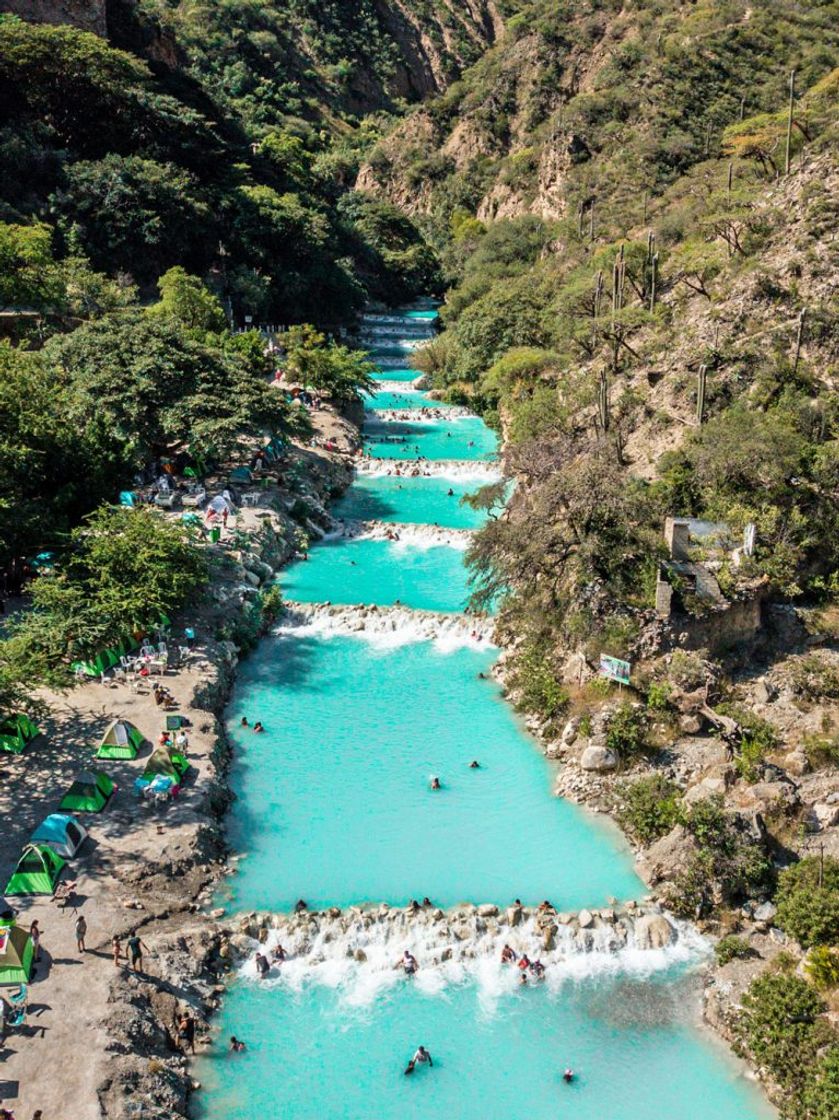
(614,669)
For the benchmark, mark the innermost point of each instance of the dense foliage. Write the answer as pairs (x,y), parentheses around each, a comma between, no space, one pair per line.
(808,901)
(124,569)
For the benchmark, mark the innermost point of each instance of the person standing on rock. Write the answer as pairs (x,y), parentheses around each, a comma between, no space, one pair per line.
(81,932)
(35,937)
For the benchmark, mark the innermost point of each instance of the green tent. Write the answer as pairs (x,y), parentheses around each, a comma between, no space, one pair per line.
(16,731)
(16,953)
(37,871)
(121,740)
(89,793)
(172,764)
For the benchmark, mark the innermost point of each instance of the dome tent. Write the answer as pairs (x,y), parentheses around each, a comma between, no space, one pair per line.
(16,731)
(121,740)
(37,872)
(90,793)
(16,955)
(171,764)
(63,833)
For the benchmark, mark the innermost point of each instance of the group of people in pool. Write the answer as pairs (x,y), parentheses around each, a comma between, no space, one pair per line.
(436,783)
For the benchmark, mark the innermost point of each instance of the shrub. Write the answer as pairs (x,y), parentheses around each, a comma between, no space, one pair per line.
(823,967)
(821,750)
(732,948)
(658,696)
(812,679)
(759,738)
(650,807)
(535,678)
(808,901)
(780,1028)
(627,731)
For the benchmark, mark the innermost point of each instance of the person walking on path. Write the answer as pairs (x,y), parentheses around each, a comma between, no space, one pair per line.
(135,951)
(81,932)
(116,948)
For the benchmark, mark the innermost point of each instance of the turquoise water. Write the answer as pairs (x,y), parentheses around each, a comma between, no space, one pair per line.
(424,501)
(402,398)
(334,806)
(312,1057)
(464,438)
(334,800)
(380,572)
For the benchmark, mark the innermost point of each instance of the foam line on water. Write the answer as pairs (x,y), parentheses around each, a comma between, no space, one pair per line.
(477,469)
(387,627)
(429,414)
(359,951)
(410,535)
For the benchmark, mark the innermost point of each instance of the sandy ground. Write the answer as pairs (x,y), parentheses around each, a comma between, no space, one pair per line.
(59,1059)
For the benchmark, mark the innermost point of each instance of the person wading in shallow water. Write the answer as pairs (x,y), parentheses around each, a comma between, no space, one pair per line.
(422,1056)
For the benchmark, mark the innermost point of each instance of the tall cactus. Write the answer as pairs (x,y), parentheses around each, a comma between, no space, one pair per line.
(701,382)
(799,338)
(788,156)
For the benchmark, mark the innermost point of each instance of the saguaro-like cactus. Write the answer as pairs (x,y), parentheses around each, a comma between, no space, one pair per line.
(701,382)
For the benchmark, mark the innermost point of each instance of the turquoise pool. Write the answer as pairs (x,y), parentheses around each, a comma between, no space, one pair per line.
(317,1056)
(462,437)
(396,374)
(381,572)
(424,501)
(334,802)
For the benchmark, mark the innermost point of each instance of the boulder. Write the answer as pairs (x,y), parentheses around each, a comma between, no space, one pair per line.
(514,915)
(764,692)
(765,912)
(826,814)
(569,732)
(708,787)
(488,910)
(690,723)
(585,918)
(599,759)
(653,931)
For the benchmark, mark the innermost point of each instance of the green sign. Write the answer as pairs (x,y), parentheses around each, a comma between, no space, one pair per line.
(614,669)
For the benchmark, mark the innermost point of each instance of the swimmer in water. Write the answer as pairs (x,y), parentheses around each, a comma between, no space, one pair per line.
(474,764)
(258,728)
(409,963)
(421,1056)
(568,1076)
(236,1044)
(435,783)
(508,956)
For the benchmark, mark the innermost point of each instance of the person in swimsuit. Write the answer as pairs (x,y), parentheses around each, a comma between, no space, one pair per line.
(409,963)
(421,1057)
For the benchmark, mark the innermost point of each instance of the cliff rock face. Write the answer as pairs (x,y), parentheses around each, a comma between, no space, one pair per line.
(89,15)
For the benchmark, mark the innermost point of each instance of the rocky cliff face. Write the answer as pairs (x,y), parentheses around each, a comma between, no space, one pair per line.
(89,15)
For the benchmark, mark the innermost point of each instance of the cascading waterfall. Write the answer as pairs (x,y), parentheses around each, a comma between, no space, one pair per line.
(362,702)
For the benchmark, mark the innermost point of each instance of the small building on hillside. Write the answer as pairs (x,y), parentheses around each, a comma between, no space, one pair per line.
(688,590)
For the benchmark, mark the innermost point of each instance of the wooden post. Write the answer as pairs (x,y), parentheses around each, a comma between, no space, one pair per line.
(799,338)
(787,161)
(702,378)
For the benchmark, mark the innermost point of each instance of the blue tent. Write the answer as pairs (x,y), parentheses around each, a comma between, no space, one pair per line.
(61,832)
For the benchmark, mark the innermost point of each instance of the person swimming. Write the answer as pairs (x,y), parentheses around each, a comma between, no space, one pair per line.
(435,783)
(537,969)
(409,963)
(508,955)
(474,764)
(244,722)
(568,1076)
(258,728)
(278,954)
(300,906)
(262,965)
(236,1045)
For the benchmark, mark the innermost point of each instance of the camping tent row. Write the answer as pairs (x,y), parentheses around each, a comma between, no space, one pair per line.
(110,657)
(16,731)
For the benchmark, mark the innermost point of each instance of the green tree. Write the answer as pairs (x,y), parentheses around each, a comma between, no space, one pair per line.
(190,302)
(327,367)
(148,385)
(123,570)
(28,274)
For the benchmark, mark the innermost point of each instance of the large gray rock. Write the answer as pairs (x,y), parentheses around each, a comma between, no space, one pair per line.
(599,759)
(653,931)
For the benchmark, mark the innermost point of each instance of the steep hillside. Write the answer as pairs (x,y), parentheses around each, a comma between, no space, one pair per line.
(600,103)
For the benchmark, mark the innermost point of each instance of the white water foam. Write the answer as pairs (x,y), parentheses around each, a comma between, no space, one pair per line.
(428,414)
(464,469)
(387,627)
(408,535)
(360,951)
